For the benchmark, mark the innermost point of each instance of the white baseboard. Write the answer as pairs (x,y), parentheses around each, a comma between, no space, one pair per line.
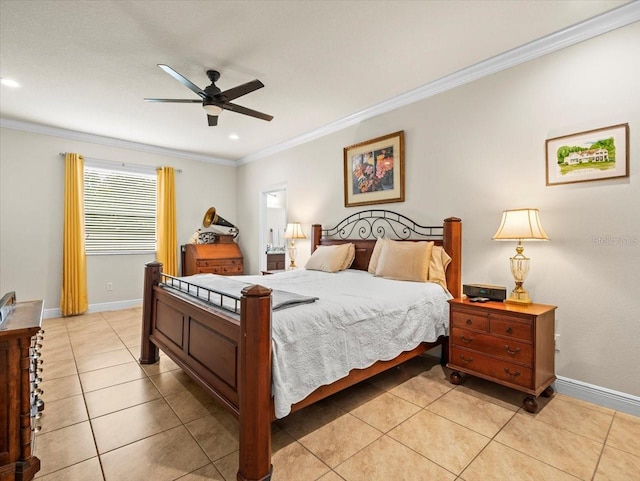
(104,306)
(602,396)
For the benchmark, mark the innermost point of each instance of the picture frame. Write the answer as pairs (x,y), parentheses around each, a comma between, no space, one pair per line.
(597,154)
(374,171)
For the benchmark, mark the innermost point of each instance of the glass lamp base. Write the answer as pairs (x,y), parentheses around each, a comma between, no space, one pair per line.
(292,256)
(519,295)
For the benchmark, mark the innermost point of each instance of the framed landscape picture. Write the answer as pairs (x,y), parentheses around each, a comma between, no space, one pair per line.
(592,155)
(374,171)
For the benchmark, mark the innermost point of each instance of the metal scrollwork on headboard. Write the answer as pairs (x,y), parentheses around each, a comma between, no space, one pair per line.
(370,224)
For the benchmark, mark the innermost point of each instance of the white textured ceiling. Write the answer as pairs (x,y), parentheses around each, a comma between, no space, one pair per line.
(87,65)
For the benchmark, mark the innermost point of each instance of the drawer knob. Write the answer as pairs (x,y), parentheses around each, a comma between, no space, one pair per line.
(512,374)
(465,339)
(469,322)
(509,330)
(465,359)
(509,351)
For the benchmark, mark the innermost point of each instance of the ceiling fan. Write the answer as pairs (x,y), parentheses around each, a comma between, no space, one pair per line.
(213,100)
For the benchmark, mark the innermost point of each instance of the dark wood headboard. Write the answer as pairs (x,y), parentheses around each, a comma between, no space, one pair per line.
(362,229)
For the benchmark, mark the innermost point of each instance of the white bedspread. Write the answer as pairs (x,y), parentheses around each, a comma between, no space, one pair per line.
(357,320)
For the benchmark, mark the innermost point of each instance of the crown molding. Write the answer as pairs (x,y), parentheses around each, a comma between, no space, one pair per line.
(590,28)
(109,141)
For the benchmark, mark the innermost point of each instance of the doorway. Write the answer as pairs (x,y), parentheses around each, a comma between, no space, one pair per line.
(273,222)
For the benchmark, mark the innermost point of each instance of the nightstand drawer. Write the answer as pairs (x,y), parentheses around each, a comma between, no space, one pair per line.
(505,371)
(469,320)
(506,326)
(509,350)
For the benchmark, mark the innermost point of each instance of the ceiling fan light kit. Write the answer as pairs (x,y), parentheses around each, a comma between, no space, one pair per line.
(213,100)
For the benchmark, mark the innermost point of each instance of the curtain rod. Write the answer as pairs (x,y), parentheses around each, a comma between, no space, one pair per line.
(179,171)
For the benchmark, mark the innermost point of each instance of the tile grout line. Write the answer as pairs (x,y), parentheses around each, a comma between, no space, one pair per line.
(604,443)
(93,435)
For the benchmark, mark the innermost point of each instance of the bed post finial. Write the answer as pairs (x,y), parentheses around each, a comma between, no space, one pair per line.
(148,350)
(254,396)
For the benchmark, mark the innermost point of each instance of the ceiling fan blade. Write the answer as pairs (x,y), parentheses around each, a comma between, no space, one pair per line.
(241,90)
(181,101)
(213,120)
(243,110)
(187,83)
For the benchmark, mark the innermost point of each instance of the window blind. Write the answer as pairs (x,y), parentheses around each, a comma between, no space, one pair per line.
(119,211)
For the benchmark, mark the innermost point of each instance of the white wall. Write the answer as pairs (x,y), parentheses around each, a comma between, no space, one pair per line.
(476,150)
(31,213)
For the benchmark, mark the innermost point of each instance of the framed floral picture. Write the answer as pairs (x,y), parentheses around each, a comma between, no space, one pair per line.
(374,171)
(592,155)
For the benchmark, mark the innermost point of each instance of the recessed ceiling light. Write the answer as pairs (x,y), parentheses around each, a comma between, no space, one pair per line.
(9,83)
(234,136)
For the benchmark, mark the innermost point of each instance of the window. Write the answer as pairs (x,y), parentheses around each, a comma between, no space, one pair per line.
(119,209)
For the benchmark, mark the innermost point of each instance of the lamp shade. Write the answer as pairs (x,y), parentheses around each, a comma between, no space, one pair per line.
(294,231)
(520,224)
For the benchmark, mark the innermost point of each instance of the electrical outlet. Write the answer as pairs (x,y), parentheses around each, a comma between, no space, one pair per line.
(556,340)
(109,286)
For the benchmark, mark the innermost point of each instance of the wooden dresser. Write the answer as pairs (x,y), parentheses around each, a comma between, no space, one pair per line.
(222,257)
(510,344)
(20,403)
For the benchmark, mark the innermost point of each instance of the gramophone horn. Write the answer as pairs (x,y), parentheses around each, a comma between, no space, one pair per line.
(208,217)
(211,218)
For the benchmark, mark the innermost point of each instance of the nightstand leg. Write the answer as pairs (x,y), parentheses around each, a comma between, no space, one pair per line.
(456,378)
(547,392)
(530,404)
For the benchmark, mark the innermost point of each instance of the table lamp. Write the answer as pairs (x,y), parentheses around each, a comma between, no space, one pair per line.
(520,224)
(293,232)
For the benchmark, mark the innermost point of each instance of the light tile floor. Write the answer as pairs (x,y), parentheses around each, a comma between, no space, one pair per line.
(108,418)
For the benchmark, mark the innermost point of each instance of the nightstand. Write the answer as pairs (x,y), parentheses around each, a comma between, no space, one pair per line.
(509,344)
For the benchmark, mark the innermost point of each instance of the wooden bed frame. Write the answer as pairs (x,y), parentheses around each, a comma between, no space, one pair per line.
(231,358)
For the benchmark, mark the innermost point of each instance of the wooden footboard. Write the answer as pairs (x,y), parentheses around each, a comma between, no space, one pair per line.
(231,358)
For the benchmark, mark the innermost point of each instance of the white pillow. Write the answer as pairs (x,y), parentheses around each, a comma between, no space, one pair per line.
(331,258)
(405,261)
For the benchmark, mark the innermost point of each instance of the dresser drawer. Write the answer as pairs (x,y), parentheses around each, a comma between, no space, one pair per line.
(218,262)
(505,326)
(469,320)
(510,350)
(495,368)
(222,270)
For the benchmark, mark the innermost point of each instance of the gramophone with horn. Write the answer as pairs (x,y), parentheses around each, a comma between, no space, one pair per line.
(213,219)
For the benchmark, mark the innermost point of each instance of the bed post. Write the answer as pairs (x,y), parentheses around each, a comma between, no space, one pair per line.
(316,234)
(148,350)
(254,384)
(452,243)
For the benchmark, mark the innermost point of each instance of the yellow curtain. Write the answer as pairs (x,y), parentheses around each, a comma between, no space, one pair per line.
(167,250)
(74,261)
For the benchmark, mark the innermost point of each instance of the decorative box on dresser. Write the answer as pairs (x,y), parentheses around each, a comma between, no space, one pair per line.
(221,257)
(20,403)
(509,344)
